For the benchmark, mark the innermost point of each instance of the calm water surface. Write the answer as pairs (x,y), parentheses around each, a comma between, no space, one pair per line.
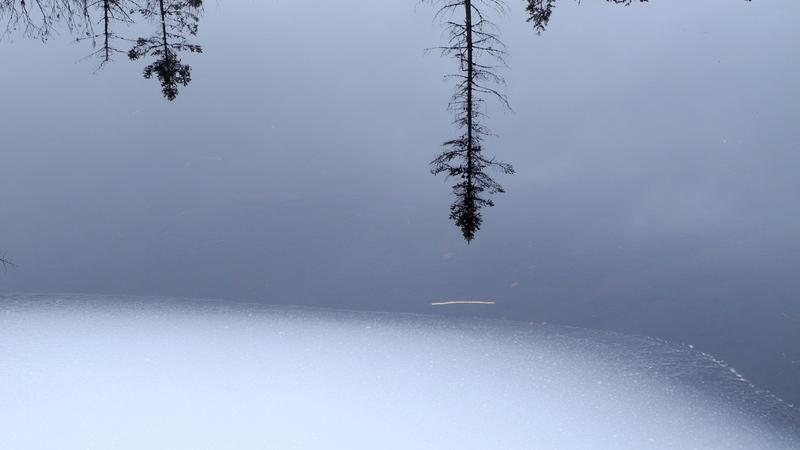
(655,150)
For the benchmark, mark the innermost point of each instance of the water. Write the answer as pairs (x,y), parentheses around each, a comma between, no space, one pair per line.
(654,146)
(127,372)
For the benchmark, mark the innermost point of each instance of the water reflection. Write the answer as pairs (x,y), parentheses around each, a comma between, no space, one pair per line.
(39,18)
(473,41)
(479,51)
(112,13)
(97,21)
(175,19)
(5,262)
(539,11)
(653,195)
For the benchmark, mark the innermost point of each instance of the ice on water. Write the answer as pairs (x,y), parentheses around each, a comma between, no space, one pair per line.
(104,372)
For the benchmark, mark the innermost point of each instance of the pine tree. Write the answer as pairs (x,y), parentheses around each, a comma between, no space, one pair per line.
(539,11)
(476,46)
(176,19)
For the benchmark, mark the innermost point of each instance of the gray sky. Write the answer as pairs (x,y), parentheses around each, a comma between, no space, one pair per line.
(655,148)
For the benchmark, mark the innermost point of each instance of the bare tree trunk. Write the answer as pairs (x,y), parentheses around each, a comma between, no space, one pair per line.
(164,28)
(470,103)
(106,20)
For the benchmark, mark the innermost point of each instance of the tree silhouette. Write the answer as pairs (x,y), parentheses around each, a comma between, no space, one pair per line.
(6,263)
(176,19)
(39,18)
(111,12)
(95,20)
(539,11)
(476,46)
(471,42)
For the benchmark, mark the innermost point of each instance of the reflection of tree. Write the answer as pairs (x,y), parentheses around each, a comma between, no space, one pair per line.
(472,41)
(38,18)
(176,19)
(476,47)
(5,263)
(95,20)
(539,11)
(111,12)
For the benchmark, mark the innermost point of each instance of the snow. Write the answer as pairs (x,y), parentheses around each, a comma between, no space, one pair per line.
(104,372)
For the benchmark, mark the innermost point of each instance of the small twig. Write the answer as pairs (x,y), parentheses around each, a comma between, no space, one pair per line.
(464,302)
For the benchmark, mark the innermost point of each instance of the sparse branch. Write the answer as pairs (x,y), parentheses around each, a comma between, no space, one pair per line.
(539,11)
(112,13)
(6,263)
(476,46)
(40,19)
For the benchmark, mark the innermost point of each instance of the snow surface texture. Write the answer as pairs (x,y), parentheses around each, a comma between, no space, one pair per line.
(92,372)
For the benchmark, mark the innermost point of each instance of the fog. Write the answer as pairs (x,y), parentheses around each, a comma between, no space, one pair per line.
(654,146)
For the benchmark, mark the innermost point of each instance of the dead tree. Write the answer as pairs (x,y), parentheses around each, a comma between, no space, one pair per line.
(474,43)
(40,19)
(176,20)
(112,12)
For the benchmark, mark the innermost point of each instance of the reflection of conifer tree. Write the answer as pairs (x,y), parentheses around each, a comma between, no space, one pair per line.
(539,11)
(472,42)
(176,19)
(111,11)
(38,18)
(5,262)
